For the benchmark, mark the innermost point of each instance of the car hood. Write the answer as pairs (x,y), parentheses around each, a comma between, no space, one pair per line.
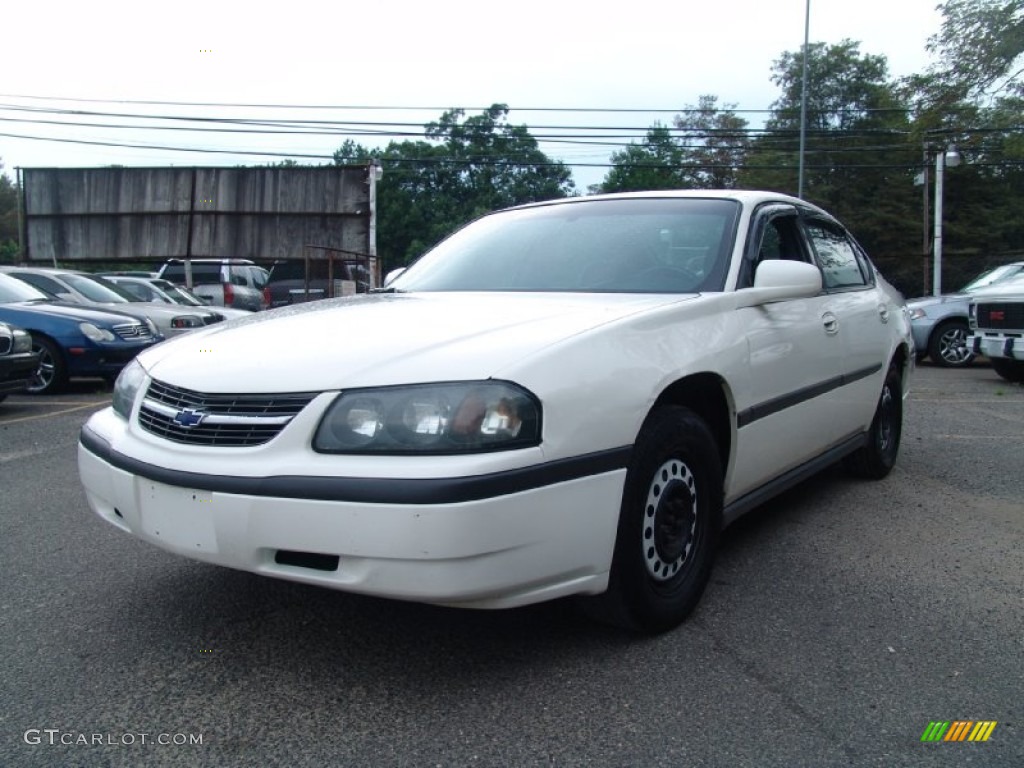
(383,339)
(932,301)
(72,312)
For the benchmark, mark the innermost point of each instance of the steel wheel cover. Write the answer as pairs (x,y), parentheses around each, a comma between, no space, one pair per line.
(670,520)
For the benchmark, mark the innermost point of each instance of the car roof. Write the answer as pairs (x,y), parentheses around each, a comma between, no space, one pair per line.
(746,197)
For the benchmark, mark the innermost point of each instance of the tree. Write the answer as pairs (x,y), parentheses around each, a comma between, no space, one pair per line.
(715,143)
(859,162)
(656,163)
(980,47)
(8,217)
(706,151)
(465,167)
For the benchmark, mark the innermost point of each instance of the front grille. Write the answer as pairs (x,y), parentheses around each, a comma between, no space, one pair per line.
(198,418)
(1002,315)
(132,331)
(6,344)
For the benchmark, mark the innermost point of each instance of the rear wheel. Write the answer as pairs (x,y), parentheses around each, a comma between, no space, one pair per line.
(877,458)
(668,524)
(51,374)
(948,345)
(1011,370)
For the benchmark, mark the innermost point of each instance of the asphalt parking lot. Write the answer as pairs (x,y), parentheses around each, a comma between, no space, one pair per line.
(842,619)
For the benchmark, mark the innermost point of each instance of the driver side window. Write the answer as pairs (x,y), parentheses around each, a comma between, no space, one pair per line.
(779,239)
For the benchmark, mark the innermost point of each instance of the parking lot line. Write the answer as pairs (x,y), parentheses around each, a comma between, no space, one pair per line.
(56,413)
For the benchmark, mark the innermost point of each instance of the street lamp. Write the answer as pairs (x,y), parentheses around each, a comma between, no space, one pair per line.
(951,158)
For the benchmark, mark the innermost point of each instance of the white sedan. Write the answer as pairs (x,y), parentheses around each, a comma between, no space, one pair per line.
(565,398)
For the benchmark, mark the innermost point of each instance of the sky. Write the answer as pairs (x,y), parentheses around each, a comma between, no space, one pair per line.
(539,57)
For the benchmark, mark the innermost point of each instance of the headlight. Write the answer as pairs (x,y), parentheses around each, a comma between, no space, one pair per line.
(460,417)
(22,341)
(94,333)
(127,387)
(917,314)
(186,321)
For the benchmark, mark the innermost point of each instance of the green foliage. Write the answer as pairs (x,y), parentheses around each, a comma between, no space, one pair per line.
(8,218)
(656,163)
(706,151)
(715,143)
(981,47)
(857,152)
(464,168)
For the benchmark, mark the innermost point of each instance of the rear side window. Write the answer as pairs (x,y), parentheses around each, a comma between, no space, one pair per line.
(842,266)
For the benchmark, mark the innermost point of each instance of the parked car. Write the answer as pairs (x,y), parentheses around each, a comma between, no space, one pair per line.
(234,283)
(997,327)
(940,324)
(158,290)
(71,340)
(288,282)
(18,362)
(96,291)
(565,398)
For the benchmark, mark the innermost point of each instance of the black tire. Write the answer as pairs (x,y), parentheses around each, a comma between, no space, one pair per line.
(947,346)
(51,376)
(669,523)
(875,459)
(1011,370)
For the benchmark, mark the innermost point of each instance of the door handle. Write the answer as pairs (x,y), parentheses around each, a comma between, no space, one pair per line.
(883,313)
(831,323)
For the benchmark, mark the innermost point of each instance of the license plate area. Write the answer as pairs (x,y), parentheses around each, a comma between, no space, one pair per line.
(179,517)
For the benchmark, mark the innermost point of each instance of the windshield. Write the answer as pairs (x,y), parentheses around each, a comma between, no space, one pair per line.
(997,275)
(12,289)
(640,245)
(99,289)
(178,295)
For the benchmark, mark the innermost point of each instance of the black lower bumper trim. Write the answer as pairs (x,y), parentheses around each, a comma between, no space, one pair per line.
(448,490)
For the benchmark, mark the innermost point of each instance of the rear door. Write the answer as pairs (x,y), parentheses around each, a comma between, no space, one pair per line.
(861,313)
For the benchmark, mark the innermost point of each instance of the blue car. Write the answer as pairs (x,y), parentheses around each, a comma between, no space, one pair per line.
(71,340)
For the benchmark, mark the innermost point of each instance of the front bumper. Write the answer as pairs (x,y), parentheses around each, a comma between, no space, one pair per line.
(1003,345)
(921,332)
(16,371)
(505,550)
(104,358)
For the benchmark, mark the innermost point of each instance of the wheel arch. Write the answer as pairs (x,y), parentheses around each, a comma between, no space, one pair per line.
(707,395)
(903,358)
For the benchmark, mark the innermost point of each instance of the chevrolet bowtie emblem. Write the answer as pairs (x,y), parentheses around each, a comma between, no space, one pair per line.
(189,418)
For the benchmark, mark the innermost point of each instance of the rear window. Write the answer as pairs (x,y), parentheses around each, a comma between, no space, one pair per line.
(202,274)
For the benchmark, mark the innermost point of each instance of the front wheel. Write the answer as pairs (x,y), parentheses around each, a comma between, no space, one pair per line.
(669,522)
(947,346)
(52,373)
(1011,370)
(878,456)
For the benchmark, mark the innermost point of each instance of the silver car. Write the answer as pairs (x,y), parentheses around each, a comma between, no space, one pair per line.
(95,291)
(939,323)
(162,291)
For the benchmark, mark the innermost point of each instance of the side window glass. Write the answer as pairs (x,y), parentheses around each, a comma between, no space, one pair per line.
(837,257)
(43,283)
(780,240)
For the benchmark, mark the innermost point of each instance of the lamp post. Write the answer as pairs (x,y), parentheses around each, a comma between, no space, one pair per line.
(951,158)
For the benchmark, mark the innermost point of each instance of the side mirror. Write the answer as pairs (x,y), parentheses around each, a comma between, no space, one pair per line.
(781,280)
